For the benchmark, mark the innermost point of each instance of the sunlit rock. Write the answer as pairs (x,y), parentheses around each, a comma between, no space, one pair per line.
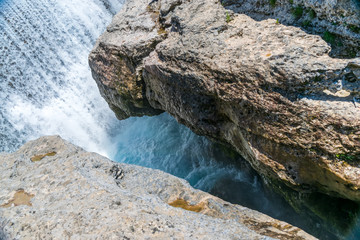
(269,90)
(80,195)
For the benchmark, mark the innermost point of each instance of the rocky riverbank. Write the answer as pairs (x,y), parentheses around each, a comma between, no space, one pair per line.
(51,189)
(269,90)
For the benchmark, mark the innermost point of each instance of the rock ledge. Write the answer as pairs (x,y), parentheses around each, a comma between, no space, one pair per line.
(270,91)
(75,194)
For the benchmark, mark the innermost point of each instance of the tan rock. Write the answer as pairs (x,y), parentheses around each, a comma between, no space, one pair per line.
(80,195)
(258,86)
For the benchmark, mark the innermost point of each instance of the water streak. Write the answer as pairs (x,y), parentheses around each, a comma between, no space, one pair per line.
(45,83)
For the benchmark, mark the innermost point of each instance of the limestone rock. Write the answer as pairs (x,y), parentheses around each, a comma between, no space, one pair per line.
(337,21)
(74,194)
(269,90)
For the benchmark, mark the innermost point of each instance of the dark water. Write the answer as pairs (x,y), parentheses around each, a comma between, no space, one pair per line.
(161,143)
(46,88)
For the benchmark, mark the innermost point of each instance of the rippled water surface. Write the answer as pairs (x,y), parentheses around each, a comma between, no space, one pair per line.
(46,88)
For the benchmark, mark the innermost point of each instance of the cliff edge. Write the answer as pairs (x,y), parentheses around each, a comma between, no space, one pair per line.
(269,90)
(51,189)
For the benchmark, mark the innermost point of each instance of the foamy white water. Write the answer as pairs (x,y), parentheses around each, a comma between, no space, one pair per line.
(45,82)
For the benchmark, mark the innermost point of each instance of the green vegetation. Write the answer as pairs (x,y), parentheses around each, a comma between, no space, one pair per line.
(291,1)
(345,157)
(312,149)
(329,37)
(228,17)
(277,21)
(272,3)
(306,23)
(312,14)
(353,28)
(317,79)
(297,11)
(351,53)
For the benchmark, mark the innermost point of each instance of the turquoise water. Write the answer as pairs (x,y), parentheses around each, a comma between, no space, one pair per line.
(46,88)
(161,143)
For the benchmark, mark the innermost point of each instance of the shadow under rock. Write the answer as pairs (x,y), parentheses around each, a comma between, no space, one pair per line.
(321,215)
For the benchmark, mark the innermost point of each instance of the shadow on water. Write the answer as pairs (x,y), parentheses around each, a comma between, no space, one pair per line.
(321,215)
(161,143)
(338,215)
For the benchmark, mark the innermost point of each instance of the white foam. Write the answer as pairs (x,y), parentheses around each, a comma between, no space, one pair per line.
(45,82)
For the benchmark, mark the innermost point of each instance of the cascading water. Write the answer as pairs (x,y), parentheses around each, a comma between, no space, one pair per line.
(46,85)
(46,88)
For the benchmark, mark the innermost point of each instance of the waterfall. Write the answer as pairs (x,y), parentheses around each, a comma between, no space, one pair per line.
(45,83)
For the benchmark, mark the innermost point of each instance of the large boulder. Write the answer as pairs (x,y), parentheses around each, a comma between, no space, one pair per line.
(270,91)
(51,189)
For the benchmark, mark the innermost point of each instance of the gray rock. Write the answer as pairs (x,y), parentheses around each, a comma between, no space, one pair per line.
(269,90)
(51,189)
(338,21)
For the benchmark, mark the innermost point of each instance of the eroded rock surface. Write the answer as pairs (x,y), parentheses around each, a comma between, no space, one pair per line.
(337,21)
(75,194)
(269,90)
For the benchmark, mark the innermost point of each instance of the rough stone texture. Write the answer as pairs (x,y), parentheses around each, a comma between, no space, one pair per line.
(269,90)
(119,68)
(80,195)
(338,21)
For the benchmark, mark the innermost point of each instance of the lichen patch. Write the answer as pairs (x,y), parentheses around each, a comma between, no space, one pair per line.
(273,229)
(37,158)
(20,198)
(181,203)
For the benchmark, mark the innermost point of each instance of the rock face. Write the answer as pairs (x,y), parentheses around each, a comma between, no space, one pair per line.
(269,90)
(51,189)
(338,22)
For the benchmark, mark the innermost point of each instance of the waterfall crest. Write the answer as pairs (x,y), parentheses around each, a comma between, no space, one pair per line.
(45,83)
